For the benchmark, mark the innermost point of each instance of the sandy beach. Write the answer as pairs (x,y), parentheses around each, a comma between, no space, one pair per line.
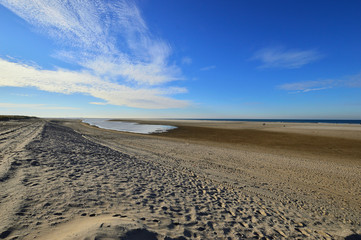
(63,179)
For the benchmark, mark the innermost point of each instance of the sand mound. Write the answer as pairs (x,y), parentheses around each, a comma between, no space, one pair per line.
(102,227)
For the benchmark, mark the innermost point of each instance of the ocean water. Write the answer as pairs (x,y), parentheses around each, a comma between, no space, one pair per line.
(127,126)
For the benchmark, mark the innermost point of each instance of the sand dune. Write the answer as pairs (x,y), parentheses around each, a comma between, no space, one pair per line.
(67,180)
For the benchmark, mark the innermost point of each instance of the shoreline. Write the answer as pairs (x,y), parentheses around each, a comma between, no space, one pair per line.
(321,121)
(247,125)
(303,139)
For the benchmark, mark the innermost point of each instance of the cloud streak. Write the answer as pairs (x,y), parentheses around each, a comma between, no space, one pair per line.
(353,81)
(308,86)
(283,58)
(110,41)
(186,60)
(207,68)
(34,106)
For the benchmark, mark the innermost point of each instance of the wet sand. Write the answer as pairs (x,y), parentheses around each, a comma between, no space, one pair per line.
(326,147)
(64,179)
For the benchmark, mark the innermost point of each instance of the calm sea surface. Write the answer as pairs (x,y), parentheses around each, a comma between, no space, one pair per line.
(127,126)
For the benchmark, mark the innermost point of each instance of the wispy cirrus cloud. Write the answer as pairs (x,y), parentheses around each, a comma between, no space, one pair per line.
(285,58)
(23,95)
(186,60)
(207,68)
(308,86)
(110,41)
(98,103)
(34,106)
(353,81)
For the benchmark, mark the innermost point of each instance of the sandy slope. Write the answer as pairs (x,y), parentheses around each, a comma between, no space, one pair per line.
(70,181)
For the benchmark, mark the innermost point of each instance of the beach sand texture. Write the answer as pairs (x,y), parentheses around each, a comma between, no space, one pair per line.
(62,179)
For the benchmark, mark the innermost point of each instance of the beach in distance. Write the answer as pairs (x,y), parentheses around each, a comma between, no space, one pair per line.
(66,179)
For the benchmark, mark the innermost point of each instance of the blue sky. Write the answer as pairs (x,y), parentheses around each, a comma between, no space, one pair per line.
(160,58)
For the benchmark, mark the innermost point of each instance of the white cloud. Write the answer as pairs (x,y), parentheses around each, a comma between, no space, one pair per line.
(34,106)
(112,43)
(308,86)
(186,60)
(23,94)
(283,58)
(208,68)
(98,103)
(139,73)
(85,24)
(353,81)
(68,82)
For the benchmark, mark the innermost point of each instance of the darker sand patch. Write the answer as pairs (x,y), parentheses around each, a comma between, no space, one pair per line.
(346,149)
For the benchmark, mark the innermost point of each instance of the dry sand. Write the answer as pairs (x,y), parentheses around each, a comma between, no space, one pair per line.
(61,179)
